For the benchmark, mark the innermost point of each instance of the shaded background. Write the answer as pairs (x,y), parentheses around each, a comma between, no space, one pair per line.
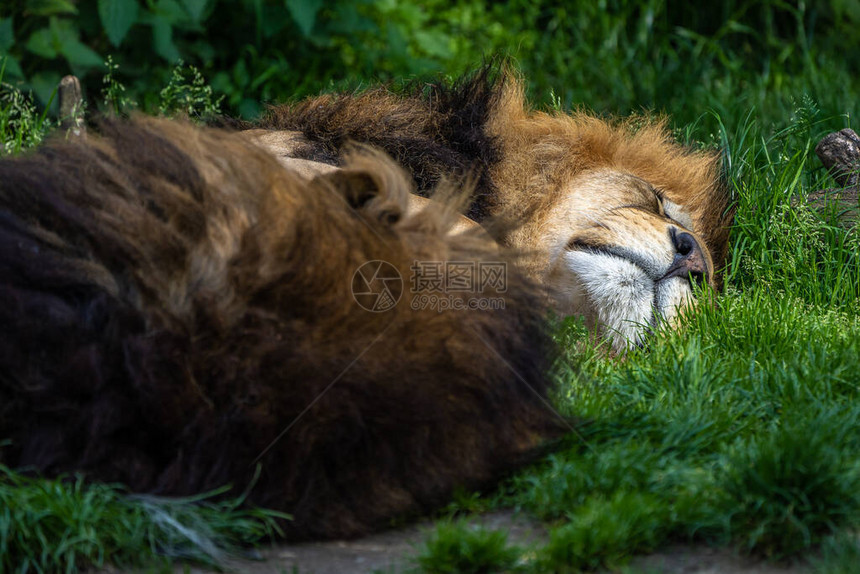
(611,56)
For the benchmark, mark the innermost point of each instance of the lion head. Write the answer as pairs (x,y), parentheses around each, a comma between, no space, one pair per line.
(617,220)
(624,223)
(621,255)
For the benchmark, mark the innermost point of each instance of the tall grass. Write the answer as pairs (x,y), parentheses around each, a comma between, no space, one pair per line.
(622,56)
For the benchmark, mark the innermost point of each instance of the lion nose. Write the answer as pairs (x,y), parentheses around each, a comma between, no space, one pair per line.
(689,260)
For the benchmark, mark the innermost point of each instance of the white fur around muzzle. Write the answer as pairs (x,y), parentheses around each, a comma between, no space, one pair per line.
(619,296)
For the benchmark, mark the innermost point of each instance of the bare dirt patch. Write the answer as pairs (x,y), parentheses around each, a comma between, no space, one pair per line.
(392,552)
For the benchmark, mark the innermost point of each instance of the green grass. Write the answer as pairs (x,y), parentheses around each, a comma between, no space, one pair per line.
(64,525)
(456,547)
(839,555)
(615,56)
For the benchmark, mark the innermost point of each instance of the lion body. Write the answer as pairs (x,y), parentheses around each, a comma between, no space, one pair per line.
(177,309)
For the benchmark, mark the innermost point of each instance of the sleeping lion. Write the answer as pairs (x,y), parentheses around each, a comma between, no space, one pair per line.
(184,308)
(617,220)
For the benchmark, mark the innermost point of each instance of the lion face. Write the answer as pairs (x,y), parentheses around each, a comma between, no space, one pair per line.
(621,220)
(622,255)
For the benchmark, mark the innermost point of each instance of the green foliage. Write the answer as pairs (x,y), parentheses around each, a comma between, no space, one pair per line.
(186,93)
(613,56)
(575,479)
(604,533)
(787,489)
(459,548)
(21,124)
(113,91)
(117,17)
(785,244)
(189,94)
(737,428)
(64,525)
(839,555)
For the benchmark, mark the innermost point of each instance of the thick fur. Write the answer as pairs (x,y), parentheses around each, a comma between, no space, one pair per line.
(176,309)
(436,131)
(563,178)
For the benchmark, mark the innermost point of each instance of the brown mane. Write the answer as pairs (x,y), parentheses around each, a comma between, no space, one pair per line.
(176,304)
(435,131)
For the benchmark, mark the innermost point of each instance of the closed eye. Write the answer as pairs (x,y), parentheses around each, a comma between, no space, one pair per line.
(672,211)
(678,214)
(651,268)
(649,209)
(661,198)
(582,245)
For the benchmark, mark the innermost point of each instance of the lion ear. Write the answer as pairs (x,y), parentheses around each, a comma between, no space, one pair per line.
(357,187)
(364,194)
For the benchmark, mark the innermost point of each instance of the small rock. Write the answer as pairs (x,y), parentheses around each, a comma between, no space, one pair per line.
(840,154)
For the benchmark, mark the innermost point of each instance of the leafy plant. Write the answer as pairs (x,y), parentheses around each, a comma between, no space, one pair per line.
(613,56)
(113,91)
(189,94)
(21,124)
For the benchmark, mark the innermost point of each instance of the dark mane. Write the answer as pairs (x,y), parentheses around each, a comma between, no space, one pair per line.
(174,304)
(434,130)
